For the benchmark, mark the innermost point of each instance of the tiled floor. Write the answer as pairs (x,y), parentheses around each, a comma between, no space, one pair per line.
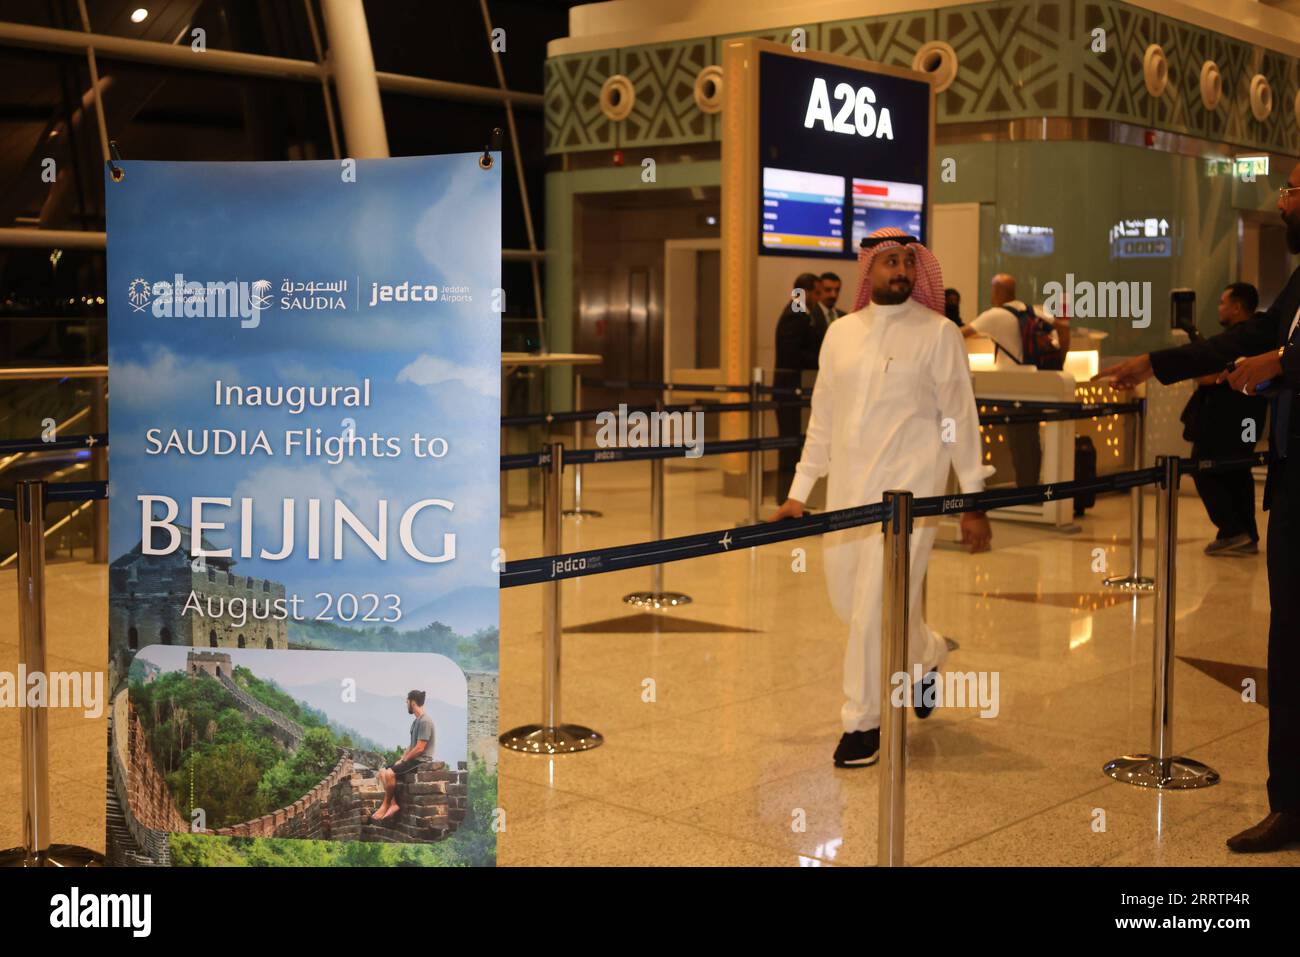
(720,726)
(730,761)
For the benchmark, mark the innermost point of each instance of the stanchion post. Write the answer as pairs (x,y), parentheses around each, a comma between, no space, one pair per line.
(756,455)
(893,660)
(36,851)
(551,736)
(657,514)
(578,511)
(1134,581)
(99,471)
(1161,768)
(656,597)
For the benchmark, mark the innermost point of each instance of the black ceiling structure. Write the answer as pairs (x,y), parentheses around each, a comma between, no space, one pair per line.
(51,301)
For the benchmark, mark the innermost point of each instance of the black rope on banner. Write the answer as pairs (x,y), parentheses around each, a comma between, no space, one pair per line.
(88,441)
(494,143)
(114,157)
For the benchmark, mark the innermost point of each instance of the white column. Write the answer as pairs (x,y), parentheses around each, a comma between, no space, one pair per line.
(353,66)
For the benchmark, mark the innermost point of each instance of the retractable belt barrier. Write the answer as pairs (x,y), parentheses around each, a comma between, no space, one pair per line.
(587,415)
(662,386)
(1021,411)
(87,491)
(530,571)
(528,460)
(88,440)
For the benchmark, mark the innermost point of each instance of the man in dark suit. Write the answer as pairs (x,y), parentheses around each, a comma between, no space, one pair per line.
(799,334)
(952,306)
(1221,423)
(830,296)
(1264,349)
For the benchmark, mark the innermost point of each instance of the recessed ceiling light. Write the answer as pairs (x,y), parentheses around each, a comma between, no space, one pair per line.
(138,15)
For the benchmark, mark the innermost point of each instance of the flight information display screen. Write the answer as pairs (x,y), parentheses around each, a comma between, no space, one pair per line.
(878,203)
(803,211)
(839,147)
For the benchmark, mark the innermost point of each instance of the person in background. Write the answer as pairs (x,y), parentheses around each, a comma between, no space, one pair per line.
(1024,338)
(1011,323)
(1221,423)
(830,295)
(799,334)
(952,305)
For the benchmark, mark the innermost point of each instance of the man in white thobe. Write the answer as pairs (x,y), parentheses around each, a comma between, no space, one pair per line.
(893,408)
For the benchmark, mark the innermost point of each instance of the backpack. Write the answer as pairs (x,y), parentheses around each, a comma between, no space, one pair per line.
(1036,347)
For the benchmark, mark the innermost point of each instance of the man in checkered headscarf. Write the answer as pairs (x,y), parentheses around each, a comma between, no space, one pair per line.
(927,286)
(893,408)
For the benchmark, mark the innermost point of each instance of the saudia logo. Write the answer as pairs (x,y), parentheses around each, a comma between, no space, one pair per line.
(187,299)
(857,112)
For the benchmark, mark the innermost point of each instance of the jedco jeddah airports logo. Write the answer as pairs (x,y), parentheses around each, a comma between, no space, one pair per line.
(188,299)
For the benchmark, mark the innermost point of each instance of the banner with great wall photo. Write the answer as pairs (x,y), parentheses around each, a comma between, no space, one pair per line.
(303,404)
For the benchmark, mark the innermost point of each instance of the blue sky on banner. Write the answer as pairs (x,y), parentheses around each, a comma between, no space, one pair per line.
(434,367)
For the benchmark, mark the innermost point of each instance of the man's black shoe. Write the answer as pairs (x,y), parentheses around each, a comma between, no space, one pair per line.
(858,749)
(924,690)
(1271,834)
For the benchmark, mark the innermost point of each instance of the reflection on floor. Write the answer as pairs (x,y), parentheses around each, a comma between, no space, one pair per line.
(720,719)
(728,760)
(76,622)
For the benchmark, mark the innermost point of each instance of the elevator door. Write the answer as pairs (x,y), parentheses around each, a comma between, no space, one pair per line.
(620,270)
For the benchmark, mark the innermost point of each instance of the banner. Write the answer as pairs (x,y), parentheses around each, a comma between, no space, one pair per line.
(304,392)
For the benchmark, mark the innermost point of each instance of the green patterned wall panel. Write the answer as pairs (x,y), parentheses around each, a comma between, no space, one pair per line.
(1014,59)
(1109,84)
(665,111)
(1017,58)
(1179,108)
(572,102)
(1280,126)
(893,39)
(1233,59)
